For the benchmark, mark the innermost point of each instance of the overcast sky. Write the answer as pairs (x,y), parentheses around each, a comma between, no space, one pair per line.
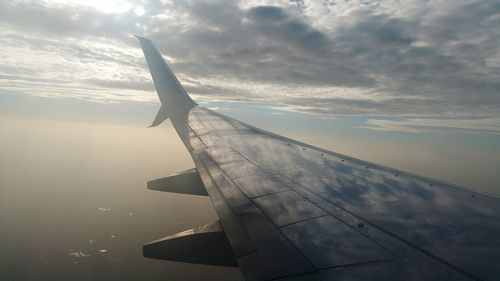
(406,57)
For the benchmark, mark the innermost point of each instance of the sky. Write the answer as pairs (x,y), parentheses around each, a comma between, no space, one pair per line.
(408,58)
(408,84)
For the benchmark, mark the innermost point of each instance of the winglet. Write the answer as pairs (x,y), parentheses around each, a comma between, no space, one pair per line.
(161,116)
(172,95)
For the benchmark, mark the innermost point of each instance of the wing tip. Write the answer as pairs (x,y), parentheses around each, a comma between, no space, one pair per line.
(141,38)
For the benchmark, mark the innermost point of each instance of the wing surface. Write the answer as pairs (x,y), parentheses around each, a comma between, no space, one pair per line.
(291,211)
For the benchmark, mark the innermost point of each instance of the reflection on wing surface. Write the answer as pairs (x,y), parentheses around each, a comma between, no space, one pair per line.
(338,212)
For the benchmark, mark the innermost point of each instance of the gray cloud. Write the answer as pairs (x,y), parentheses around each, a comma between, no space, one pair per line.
(343,57)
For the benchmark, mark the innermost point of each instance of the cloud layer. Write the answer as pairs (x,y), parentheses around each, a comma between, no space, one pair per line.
(489,125)
(324,57)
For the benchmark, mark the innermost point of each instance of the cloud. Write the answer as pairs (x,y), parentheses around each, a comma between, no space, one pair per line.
(416,125)
(321,57)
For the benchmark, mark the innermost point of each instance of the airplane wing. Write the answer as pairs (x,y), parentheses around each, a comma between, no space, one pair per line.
(291,211)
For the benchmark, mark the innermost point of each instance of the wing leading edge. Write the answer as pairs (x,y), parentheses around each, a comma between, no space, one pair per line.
(294,211)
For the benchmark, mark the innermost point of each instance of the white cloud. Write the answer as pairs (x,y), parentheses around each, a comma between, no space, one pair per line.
(470,125)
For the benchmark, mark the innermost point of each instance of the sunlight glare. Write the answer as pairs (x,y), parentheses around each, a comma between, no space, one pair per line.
(105,6)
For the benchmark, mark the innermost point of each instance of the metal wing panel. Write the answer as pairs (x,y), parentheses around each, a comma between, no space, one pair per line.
(406,215)
(379,237)
(259,185)
(327,242)
(266,253)
(446,222)
(235,232)
(412,269)
(285,208)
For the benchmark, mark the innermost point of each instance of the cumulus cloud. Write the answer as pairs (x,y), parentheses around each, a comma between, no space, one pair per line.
(322,57)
